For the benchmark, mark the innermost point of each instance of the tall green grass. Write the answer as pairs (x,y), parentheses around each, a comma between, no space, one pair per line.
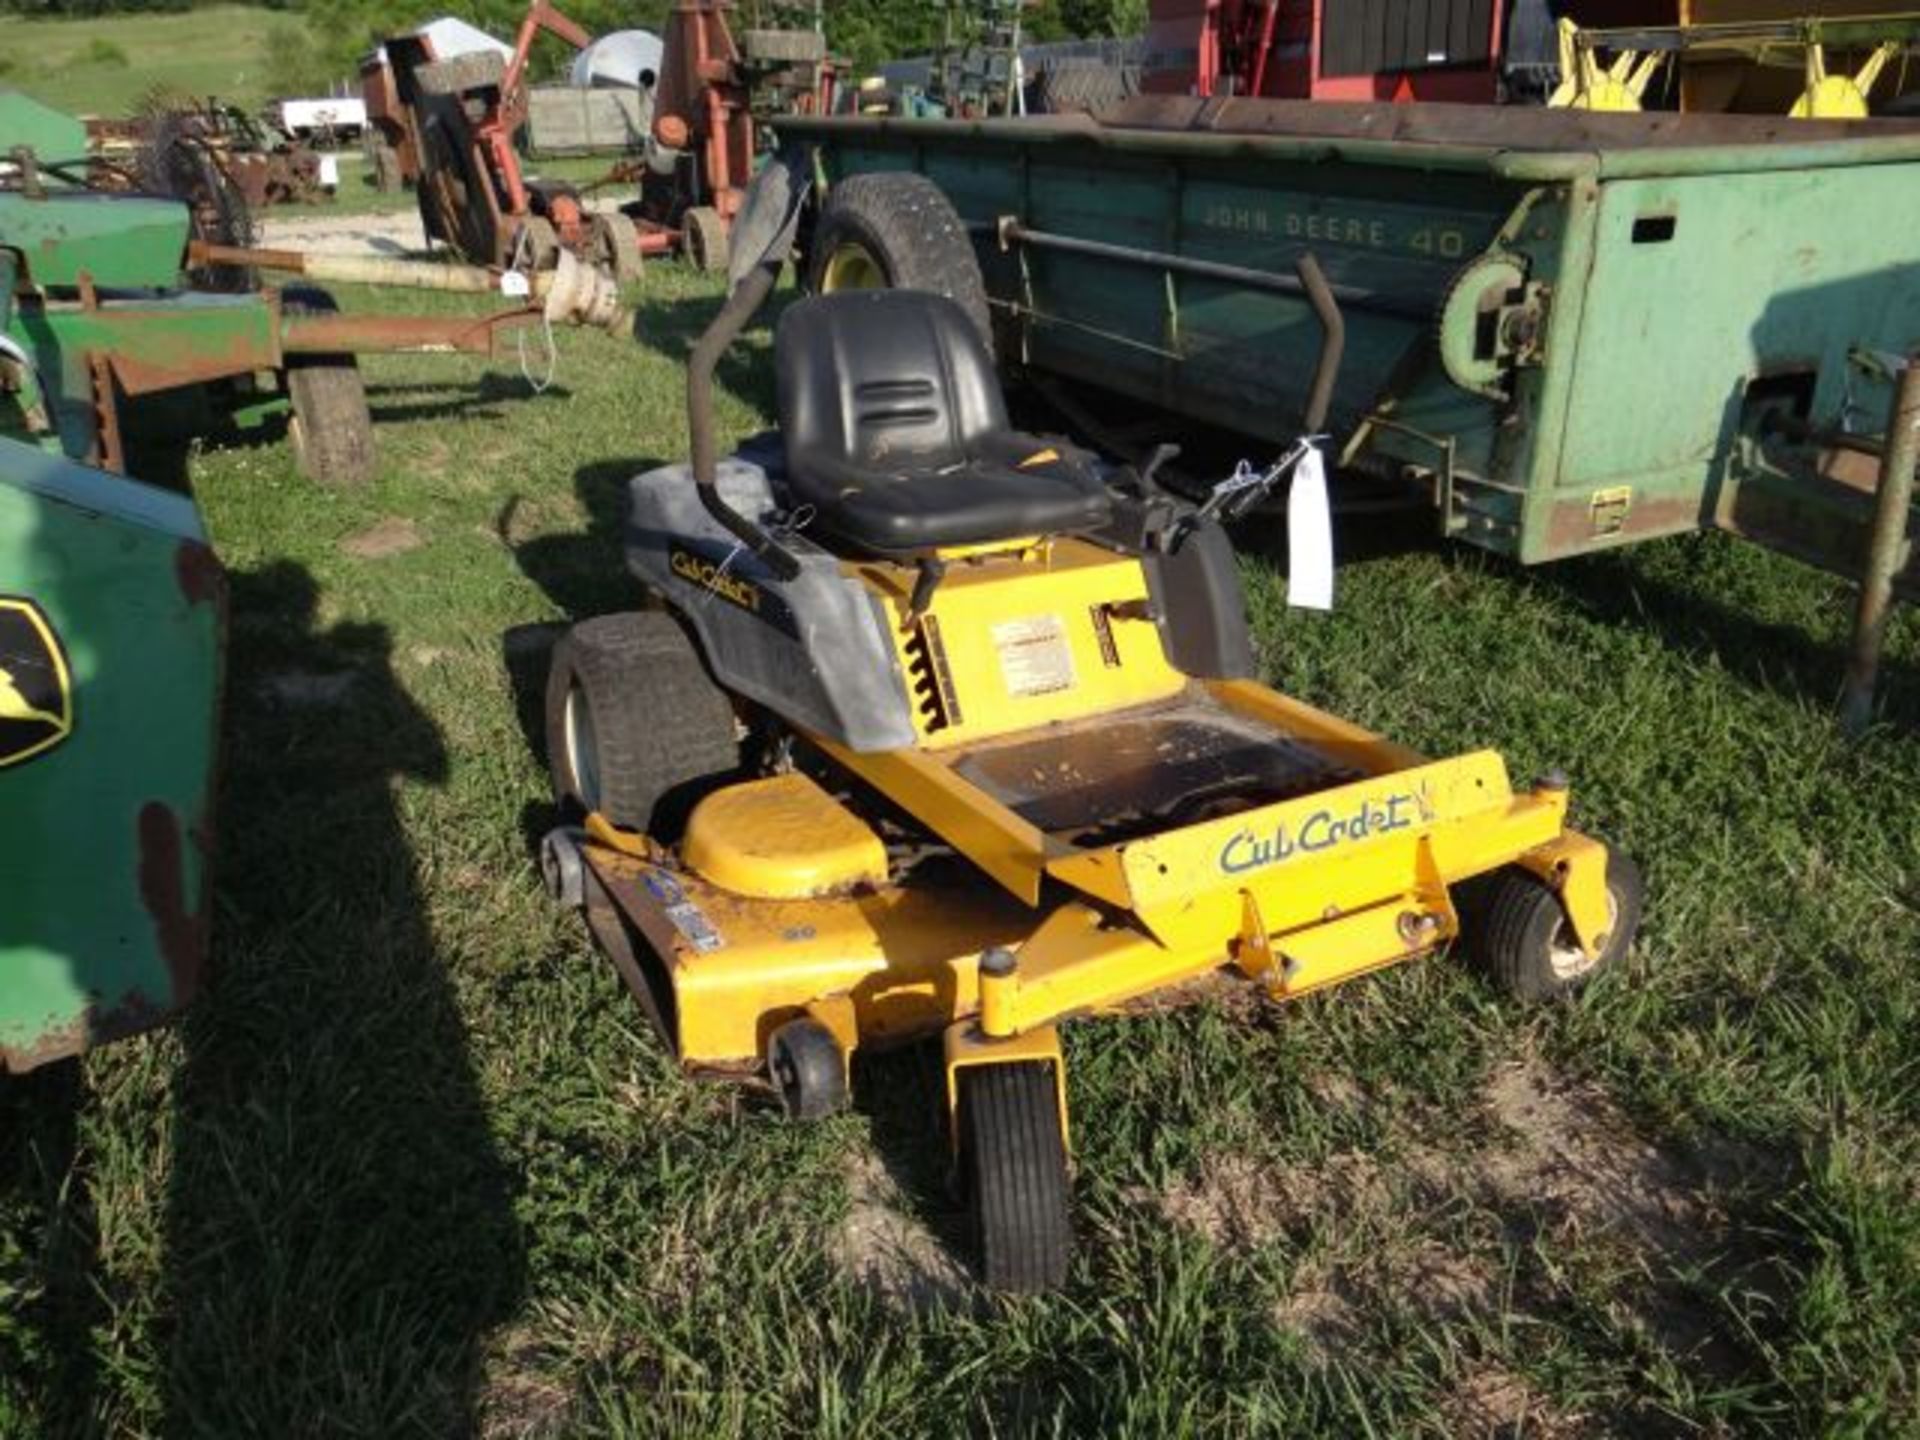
(106,65)
(414,1164)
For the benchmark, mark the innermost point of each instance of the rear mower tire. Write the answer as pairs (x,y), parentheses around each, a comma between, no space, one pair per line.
(897,231)
(636,729)
(1013,1162)
(330,429)
(1520,938)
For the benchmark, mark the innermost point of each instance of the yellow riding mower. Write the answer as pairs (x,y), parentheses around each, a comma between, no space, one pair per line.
(938,728)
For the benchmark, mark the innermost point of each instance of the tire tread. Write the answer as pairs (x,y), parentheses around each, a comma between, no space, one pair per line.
(663,728)
(907,224)
(1516,915)
(333,434)
(1018,1173)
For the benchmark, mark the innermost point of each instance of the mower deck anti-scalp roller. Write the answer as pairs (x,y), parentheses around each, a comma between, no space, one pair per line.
(945,730)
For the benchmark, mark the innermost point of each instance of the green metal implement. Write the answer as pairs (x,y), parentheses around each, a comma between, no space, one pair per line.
(111,620)
(111,624)
(51,134)
(89,295)
(94,311)
(1570,330)
(120,242)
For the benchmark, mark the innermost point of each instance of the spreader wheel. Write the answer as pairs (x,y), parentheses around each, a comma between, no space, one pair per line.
(808,1069)
(614,242)
(1523,941)
(704,238)
(534,245)
(896,230)
(329,428)
(1013,1162)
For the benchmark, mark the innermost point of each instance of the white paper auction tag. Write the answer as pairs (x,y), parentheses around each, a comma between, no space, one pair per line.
(1310,535)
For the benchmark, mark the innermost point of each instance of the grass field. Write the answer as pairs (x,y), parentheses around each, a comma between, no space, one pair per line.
(106,66)
(357,196)
(415,1166)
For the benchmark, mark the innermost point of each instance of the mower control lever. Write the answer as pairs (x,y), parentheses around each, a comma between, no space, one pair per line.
(931,573)
(1150,472)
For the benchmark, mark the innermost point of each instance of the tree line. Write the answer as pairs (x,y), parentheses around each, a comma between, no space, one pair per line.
(324,39)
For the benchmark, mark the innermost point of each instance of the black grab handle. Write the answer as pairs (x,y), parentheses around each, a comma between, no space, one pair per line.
(740,308)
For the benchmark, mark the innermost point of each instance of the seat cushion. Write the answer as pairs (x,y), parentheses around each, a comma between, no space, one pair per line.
(897,436)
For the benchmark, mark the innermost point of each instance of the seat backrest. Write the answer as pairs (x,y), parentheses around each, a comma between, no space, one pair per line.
(892,381)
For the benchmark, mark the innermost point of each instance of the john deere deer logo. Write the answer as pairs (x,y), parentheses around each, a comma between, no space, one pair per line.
(36,688)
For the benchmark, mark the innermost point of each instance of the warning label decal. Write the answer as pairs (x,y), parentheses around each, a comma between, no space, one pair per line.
(1035,656)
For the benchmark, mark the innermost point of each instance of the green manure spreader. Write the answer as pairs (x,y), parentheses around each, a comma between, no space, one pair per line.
(1564,331)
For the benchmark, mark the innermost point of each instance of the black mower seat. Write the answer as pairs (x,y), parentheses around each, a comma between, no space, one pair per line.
(896,430)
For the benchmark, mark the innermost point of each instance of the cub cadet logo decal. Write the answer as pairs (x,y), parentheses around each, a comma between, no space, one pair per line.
(709,575)
(717,571)
(36,687)
(1321,830)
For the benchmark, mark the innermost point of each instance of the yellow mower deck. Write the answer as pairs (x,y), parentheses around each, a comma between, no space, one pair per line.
(1058,748)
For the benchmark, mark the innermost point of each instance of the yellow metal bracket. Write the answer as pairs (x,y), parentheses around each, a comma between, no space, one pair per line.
(1574,867)
(1586,85)
(1253,952)
(1839,97)
(603,831)
(964,1044)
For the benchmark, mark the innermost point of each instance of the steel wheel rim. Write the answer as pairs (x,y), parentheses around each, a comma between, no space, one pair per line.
(1564,955)
(851,267)
(583,747)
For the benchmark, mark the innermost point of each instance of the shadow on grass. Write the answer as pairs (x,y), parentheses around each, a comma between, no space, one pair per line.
(1614,588)
(900,1091)
(584,573)
(1779,659)
(53,1295)
(670,327)
(340,1230)
(460,400)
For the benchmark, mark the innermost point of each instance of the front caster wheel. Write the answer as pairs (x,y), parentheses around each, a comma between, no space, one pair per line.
(807,1069)
(1524,943)
(562,867)
(1013,1162)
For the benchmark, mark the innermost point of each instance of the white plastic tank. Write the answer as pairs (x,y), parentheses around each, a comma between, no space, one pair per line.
(623,59)
(451,37)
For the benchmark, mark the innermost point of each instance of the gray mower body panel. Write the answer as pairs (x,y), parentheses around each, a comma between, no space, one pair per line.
(814,650)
